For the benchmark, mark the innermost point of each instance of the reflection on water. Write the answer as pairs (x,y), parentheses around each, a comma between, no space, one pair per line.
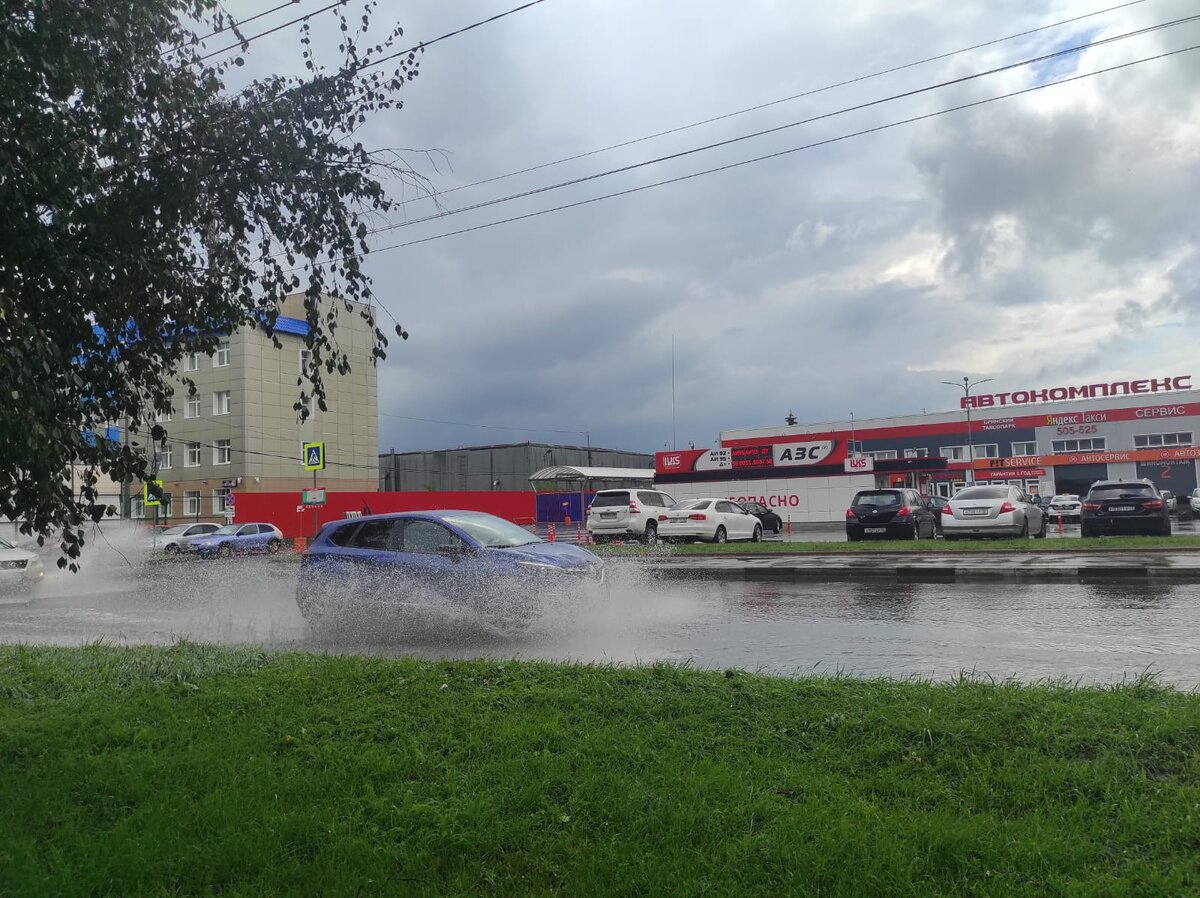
(1089,632)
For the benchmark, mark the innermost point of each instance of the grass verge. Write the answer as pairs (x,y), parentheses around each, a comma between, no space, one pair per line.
(204,770)
(1079,544)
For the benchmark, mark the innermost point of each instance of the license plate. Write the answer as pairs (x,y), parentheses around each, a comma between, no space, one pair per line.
(874,529)
(607,516)
(978,511)
(676,520)
(1120,508)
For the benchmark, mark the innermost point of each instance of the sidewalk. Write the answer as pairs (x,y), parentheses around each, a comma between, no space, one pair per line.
(935,567)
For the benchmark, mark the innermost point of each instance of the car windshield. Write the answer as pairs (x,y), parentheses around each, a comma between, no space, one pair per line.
(882,498)
(982,492)
(1122,491)
(227,530)
(693,505)
(608,500)
(174,531)
(490,531)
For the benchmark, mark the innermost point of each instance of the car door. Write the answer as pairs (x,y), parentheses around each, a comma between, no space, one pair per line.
(736,520)
(432,556)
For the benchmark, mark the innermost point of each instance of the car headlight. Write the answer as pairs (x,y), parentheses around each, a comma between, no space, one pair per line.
(539,567)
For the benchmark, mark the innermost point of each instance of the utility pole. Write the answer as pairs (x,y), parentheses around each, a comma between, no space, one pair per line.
(966,385)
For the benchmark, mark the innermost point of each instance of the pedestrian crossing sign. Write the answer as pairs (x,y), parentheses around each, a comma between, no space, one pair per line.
(152,493)
(314,456)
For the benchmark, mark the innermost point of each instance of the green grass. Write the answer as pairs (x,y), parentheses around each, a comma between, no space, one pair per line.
(1077,544)
(198,770)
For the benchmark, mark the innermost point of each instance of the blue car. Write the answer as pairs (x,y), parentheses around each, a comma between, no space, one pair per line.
(238,539)
(407,559)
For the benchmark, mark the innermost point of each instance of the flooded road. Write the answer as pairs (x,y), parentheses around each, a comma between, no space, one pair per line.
(1092,633)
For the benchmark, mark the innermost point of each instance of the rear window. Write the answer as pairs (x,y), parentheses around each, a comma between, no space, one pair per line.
(982,492)
(1121,491)
(881,498)
(693,505)
(609,500)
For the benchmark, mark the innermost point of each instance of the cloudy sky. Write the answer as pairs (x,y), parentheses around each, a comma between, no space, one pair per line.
(1050,238)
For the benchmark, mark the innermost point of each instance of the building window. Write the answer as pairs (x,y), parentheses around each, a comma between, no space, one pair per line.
(164,458)
(916,453)
(221,402)
(855,447)
(305,358)
(882,454)
(221,359)
(191,503)
(987,450)
(954,453)
(137,508)
(191,361)
(1093,445)
(221,452)
(219,500)
(1021,449)
(162,417)
(192,459)
(1154,440)
(192,409)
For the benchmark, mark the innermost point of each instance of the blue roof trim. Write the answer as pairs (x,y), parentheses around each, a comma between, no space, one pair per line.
(295,326)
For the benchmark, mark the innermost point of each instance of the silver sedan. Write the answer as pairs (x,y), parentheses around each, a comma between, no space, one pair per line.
(1000,510)
(20,570)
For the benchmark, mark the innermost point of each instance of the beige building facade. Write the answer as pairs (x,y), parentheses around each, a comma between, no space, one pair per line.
(240,432)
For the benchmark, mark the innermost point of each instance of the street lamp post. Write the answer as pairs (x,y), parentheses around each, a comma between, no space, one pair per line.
(966,386)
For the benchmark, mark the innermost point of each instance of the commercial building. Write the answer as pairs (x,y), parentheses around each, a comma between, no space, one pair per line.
(240,430)
(505,466)
(1127,430)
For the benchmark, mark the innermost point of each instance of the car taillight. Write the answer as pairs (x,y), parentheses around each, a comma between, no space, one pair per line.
(662,517)
(1007,507)
(850,513)
(904,511)
(1153,503)
(633,507)
(697,516)
(1092,506)
(946,509)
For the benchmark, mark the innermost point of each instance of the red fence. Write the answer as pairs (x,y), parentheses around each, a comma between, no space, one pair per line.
(280,509)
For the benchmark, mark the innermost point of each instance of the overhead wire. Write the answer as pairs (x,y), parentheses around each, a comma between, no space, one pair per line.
(808,93)
(233,24)
(775,155)
(269,31)
(787,126)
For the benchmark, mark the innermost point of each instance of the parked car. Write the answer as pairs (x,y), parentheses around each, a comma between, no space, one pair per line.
(173,540)
(889,514)
(1124,506)
(458,556)
(937,504)
(1168,498)
(1194,501)
(1001,510)
(771,522)
(627,514)
(237,539)
(20,569)
(711,520)
(1065,506)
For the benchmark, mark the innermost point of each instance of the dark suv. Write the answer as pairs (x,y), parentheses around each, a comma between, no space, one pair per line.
(1124,506)
(890,514)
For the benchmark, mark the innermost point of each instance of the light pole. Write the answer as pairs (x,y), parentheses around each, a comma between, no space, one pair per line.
(966,386)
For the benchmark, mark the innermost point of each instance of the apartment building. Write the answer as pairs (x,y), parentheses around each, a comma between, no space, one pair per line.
(239,430)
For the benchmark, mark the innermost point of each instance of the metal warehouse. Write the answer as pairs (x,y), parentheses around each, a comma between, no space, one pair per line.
(1126,430)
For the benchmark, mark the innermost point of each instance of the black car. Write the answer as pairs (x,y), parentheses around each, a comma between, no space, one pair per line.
(938,505)
(1124,506)
(889,514)
(771,522)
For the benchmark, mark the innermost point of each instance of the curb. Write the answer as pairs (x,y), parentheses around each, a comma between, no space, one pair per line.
(1124,573)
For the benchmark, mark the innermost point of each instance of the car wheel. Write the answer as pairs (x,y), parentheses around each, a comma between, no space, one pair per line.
(720,536)
(1041,534)
(1167,528)
(225,550)
(274,546)
(651,535)
(172,549)
(1025,528)
(853,537)
(757,537)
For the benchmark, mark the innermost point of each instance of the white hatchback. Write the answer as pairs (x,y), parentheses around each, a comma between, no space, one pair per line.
(712,520)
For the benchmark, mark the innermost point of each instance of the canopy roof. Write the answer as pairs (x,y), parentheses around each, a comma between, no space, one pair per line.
(586,475)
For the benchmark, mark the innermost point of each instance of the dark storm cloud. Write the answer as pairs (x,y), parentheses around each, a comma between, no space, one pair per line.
(853,277)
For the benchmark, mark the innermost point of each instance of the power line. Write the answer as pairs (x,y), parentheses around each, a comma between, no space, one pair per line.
(786,152)
(761,133)
(233,24)
(252,38)
(788,99)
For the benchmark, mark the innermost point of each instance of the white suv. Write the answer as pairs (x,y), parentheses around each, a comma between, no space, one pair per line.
(627,514)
